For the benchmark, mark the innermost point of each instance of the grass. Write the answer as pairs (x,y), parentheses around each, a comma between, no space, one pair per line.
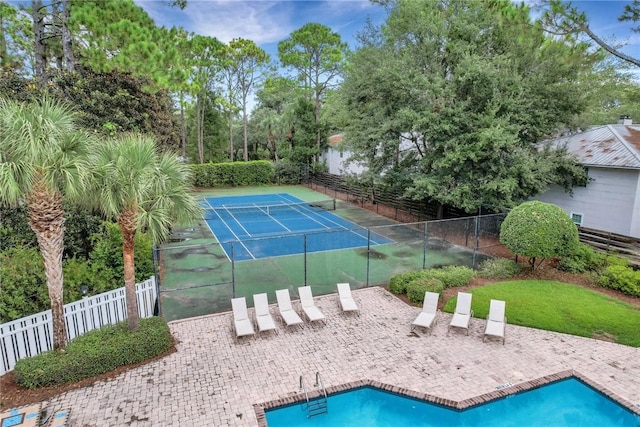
(560,307)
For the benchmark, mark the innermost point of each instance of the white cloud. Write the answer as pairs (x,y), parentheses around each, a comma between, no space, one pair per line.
(229,19)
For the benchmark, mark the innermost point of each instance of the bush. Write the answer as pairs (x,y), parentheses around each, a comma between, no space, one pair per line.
(417,287)
(621,278)
(107,254)
(398,283)
(95,353)
(616,260)
(288,173)
(498,268)
(231,174)
(539,231)
(583,259)
(24,285)
(451,276)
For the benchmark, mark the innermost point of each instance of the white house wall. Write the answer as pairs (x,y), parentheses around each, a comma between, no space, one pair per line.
(336,162)
(609,202)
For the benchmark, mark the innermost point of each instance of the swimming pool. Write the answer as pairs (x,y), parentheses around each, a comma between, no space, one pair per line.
(568,402)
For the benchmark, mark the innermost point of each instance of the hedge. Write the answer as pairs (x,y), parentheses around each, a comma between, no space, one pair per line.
(449,277)
(231,174)
(417,288)
(94,353)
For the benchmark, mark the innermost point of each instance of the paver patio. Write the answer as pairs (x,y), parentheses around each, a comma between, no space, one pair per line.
(213,381)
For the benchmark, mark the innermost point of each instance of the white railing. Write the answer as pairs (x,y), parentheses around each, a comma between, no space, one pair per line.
(33,334)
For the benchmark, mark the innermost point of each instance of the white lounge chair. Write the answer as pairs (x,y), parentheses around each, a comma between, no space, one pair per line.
(263,315)
(287,313)
(312,312)
(427,316)
(463,314)
(346,300)
(496,320)
(241,321)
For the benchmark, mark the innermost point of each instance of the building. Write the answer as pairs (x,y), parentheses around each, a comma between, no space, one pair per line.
(610,200)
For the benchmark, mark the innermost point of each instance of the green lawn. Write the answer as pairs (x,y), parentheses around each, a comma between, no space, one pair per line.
(560,307)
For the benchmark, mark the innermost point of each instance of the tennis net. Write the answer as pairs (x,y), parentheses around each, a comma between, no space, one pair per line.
(269,210)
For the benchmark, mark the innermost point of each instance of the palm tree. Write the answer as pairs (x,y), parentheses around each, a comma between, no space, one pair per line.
(141,188)
(43,160)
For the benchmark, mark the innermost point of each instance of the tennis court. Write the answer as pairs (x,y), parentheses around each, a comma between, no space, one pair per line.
(271,225)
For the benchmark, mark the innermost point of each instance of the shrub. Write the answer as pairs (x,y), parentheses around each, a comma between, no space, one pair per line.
(451,276)
(398,283)
(94,353)
(24,285)
(539,230)
(621,278)
(498,268)
(107,254)
(616,260)
(288,173)
(228,174)
(584,258)
(417,287)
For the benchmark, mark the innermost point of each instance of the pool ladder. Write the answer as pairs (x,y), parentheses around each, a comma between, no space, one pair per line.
(318,405)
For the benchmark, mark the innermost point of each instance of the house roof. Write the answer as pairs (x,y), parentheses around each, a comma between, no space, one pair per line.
(335,139)
(616,146)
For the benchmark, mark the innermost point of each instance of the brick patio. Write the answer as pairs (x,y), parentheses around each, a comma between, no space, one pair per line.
(213,381)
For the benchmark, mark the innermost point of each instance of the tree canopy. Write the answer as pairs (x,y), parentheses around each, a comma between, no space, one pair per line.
(455,95)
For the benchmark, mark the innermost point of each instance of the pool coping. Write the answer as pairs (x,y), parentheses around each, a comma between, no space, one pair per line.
(501,392)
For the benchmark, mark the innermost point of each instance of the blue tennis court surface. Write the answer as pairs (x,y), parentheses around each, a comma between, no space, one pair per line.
(270,225)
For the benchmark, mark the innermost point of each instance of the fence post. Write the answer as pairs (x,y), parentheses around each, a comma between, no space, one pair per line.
(305,260)
(233,272)
(368,254)
(156,263)
(425,244)
(475,241)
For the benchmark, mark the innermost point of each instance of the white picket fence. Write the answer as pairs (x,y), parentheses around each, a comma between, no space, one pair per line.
(33,334)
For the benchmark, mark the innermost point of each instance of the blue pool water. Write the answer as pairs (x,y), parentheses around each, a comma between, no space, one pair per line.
(564,403)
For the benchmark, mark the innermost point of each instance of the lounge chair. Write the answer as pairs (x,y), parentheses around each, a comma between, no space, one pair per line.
(346,300)
(312,312)
(496,320)
(463,314)
(427,316)
(263,315)
(287,313)
(241,321)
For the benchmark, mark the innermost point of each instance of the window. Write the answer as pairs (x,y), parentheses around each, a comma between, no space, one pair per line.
(585,182)
(341,154)
(576,218)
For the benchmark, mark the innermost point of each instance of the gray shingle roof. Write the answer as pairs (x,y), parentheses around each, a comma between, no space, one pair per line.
(616,146)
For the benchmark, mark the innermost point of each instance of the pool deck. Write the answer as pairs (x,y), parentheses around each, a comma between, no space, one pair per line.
(213,381)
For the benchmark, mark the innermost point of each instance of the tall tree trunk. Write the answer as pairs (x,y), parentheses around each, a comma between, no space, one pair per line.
(46,219)
(183,127)
(198,129)
(4,60)
(230,133)
(245,139)
(56,19)
(127,223)
(67,44)
(38,39)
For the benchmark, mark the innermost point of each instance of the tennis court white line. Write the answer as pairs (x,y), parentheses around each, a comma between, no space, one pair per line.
(235,219)
(339,226)
(302,209)
(274,219)
(229,228)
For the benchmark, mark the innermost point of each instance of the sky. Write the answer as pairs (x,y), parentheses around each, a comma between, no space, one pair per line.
(267,22)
